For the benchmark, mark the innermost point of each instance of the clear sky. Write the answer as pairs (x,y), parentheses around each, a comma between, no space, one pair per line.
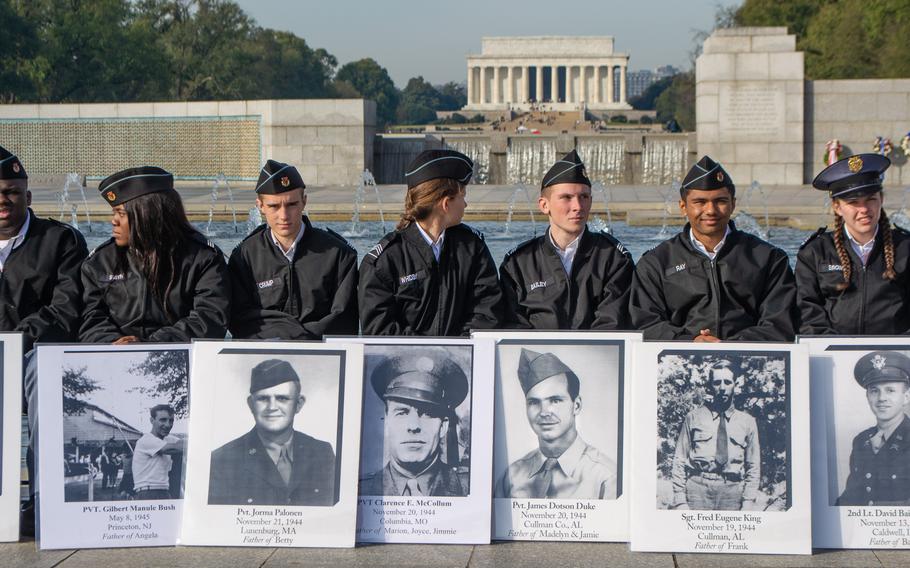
(431,38)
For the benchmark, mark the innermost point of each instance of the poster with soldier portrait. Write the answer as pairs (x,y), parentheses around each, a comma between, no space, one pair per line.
(276,439)
(861,441)
(10,439)
(112,441)
(721,448)
(426,441)
(560,435)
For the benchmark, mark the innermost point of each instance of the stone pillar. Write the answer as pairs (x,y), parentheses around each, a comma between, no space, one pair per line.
(470,85)
(538,87)
(525,84)
(610,83)
(554,83)
(483,85)
(510,77)
(622,83)
(497,79)
(597,98)
(584,84)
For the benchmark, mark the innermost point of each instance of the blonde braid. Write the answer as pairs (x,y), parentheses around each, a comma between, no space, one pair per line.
(845,263)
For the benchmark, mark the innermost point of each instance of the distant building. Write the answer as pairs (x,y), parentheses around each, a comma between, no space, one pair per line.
(638,81)
(94,428)
(560,72)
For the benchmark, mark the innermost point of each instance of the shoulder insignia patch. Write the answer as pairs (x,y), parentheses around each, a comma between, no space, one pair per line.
(813,236)
(338,236)
(476,232)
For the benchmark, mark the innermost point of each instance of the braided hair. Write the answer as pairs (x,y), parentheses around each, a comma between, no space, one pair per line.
(420,199)
(884,229)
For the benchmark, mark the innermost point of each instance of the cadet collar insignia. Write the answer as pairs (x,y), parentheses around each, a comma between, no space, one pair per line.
(285,181)
(376,251)
(16,167)
(855,164)
(536,285)
(720,176)
(111,195)
(878,362)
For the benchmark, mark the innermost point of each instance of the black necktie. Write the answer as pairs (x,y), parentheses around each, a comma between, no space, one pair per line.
(720,455)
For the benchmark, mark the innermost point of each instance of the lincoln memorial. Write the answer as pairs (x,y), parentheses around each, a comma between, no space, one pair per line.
(564,72)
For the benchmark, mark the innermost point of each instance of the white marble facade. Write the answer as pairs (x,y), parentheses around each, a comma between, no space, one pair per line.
(518,72)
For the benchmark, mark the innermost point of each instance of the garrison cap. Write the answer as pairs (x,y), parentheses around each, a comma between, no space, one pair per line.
(276,177)
(10,166)
(135,182)
(569,169)
(856,175)
(272,372)
(707,174)
(433,164)
(428,376)
(880,367)
(534,367)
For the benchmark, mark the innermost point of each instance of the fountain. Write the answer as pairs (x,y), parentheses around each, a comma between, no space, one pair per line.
(605,159)
(359,229)
(746,221)
(395,156)
(520,189)
(901,218)
(70,209)
(663,160)
(528,159)
(671,196)
(220,180)
(253,220)
(597,223)
(478,150)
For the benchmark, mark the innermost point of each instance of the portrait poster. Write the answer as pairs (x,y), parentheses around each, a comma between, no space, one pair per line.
(426,445)
(561,398)
(11,438)
(721,448)
(860,441)
(112,440)
(276,441)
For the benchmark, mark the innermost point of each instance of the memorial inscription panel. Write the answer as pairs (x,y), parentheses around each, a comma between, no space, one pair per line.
(752,112)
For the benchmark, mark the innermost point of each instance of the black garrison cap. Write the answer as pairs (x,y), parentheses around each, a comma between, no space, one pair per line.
(707,174)
(857,175)
(10,166)
(428,377)
(433,164)
(570,169)
(275,178)
(272,372)
(534,367)
(135,182)
(882,366)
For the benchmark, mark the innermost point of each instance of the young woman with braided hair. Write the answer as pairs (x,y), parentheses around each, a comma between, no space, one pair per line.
(433,275)
(854,280)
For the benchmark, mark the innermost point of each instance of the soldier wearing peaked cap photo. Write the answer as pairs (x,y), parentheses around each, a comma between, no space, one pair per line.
(570,277)
(854,279)
(274,464)
(433,275)
(291,280)
(563,466)
(880,456)
(40,289)
(712,282)
(157,279)
(420,391)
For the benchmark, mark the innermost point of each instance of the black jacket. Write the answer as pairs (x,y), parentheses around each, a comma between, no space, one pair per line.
(40,290)
(312,296)
(870,306)
(118,304)
(747,293)
(882,478)
(538,294)
(405,291)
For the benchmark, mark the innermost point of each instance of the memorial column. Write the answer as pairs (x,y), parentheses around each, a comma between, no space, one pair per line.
(610,84)
(525,83)
(538,86)
(497,79)
(510,89)
(554,83)
(584,84)
(483,85)
(597,79)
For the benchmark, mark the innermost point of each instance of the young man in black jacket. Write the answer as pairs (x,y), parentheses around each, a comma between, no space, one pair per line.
(712,282)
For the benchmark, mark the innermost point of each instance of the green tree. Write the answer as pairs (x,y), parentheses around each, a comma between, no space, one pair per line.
(419,99)
(75,386)
(18,63)
(452,96)
(372,81)
(171,369)
(678,101)
(648,99)
(286,67)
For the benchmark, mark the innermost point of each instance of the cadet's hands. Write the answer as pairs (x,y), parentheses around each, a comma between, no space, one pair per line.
(704,336)
(126,339)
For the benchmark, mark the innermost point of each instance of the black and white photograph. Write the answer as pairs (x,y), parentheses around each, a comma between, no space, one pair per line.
(11,436)
(272,436)
(861,458)
(426,440)
(730,424)
(559,434)
(120,435)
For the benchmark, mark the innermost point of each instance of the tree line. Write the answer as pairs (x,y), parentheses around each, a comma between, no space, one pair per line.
(82,51)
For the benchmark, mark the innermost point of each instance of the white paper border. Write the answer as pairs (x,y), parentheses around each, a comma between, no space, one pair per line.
(12,436)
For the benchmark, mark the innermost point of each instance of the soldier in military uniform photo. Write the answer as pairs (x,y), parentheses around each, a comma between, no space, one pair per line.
(291,280)
(712,282)
(563,466)
(570,277)
(717,461)
(420,391)
(433,275)
(854,280)
(880,455)
(274,464)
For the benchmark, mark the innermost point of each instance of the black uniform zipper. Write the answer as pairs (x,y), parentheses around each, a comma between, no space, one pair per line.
(862,304)
(716,288)
(292,291)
